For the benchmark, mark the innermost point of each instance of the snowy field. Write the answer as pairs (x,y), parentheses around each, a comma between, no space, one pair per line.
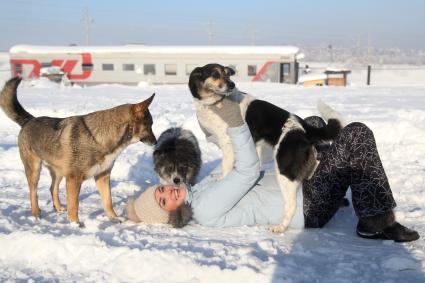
(50,250)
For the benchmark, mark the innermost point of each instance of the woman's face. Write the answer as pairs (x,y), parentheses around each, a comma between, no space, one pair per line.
(170,197)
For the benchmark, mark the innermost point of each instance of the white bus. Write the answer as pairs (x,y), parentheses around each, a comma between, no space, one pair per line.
(131,64)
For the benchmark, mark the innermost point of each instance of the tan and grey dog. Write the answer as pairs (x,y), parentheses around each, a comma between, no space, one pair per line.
(76,147)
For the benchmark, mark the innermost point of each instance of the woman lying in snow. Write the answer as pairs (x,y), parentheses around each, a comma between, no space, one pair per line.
(247,196)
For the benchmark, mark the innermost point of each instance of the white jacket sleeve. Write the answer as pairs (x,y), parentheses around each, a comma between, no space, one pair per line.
(219,197)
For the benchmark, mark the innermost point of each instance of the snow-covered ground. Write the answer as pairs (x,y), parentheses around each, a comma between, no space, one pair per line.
(50,250)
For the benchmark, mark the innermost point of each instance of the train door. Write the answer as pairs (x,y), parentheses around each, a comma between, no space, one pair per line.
(285,73)
(17,70)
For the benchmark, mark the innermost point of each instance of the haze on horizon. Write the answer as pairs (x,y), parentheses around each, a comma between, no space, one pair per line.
(307,23)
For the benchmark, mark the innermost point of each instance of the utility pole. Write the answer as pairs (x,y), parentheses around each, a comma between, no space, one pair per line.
(369,69)
(358,48)
(331,54)
(211,34)
(253,36)
(87,20)
(369,48)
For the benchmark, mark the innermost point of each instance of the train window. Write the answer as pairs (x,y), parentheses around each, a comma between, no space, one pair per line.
(18,69)
(149,69)
(252,70)
(128,67)
(189,68)
(46,65)
(170,69)
(87,67)
(107,67)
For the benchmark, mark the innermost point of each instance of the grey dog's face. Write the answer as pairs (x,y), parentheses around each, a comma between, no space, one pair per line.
(175,173)
(211,82)
(177,158)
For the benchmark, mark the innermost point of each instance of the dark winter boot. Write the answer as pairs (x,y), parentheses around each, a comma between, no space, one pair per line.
(385,227)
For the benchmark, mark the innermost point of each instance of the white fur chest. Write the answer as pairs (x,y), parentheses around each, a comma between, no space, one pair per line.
(210,121)
(107,162)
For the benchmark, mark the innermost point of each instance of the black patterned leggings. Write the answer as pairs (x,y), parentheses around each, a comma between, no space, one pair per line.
(352,160)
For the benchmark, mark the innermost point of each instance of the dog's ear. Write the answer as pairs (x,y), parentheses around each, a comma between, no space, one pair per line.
(194,79)
(230,71)
(142,106)
(148,101)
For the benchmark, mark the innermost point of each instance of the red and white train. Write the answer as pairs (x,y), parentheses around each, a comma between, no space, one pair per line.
(131,64)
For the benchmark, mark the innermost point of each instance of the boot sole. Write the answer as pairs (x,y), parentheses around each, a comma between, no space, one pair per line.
(382,236)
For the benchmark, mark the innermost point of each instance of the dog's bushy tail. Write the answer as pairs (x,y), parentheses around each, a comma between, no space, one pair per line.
(328,132)
(328,113)
(10,104)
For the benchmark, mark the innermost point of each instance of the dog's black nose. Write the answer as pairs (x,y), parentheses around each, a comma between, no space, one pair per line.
(231,85)
(176,181)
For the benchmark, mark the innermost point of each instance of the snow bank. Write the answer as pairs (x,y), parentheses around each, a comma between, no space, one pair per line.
(50,249)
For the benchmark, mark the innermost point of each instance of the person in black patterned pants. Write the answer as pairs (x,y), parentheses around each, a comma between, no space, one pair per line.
(248,196)
(352,161)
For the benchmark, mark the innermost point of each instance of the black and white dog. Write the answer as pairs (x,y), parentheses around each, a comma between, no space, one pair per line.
(177,157)
(291,137)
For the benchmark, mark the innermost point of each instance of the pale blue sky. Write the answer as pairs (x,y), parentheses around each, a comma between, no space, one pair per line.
(383,23)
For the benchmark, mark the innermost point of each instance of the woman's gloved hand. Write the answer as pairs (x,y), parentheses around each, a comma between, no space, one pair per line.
(229,111)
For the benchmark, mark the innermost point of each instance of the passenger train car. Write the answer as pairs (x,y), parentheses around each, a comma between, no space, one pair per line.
(131,64)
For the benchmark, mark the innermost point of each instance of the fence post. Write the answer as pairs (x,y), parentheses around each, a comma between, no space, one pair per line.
(369,68)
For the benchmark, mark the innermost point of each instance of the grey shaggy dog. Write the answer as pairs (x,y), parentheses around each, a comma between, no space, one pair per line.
(177,157)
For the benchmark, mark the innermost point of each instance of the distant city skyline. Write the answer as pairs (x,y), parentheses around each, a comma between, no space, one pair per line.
(378,23)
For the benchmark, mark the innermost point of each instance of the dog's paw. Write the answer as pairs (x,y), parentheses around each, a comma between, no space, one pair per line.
(36,217)
(61,209)
(278,228)
(77,225)
(36,214)
(220,177)
(117,219)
